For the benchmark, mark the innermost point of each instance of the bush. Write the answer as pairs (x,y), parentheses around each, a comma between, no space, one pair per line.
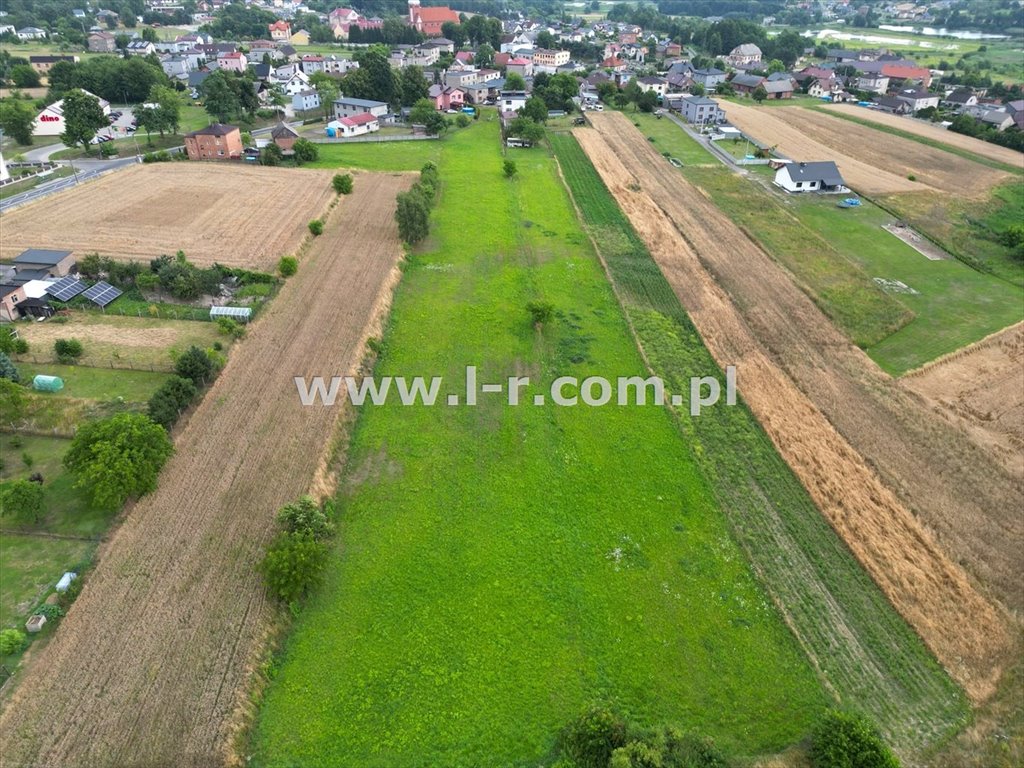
(843,740)
(173,397)
(50,611)
(68,350)
(342,183)
(196,366)
(316,227)
(540,311)
(294,565)
(911,177)
(107,149)
(7,369)
(230,327)
(306,518)
(20,346)
(12,641)
(305,151)
(462,121)
(509,168)
(288,266)
(593,737)
(22,501)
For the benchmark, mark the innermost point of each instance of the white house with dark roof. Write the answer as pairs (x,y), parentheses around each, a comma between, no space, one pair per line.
(810,177)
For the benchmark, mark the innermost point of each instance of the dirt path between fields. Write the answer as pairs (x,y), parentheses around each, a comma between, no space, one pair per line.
(899,485)
(157,652)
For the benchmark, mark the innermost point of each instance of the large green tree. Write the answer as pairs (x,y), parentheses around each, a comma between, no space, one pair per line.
(83,117)
(220,100)
(118,458)
(22,501)
(412,85)
(17,119)
(328,90)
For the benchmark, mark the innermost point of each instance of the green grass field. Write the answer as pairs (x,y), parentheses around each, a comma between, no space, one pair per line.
(871,659)
(386,156)
(497,568)
(81,381)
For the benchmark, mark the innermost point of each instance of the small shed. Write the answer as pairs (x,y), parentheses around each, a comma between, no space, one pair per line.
(241,314)
(44,383)
(65,581)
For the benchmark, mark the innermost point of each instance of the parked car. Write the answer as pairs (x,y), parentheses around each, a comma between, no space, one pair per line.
(579,121)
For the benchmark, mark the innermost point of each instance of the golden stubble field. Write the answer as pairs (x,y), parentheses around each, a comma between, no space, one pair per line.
(910,495)
(152,663)
(871,162)
(235,215)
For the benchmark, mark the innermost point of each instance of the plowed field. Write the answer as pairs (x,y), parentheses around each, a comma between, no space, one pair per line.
(153,657)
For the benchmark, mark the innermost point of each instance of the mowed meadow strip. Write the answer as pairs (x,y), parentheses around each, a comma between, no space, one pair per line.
(154,657)
(867,656)
(236,215)
(499,568)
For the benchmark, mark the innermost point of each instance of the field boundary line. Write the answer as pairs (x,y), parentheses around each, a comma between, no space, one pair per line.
(974,346)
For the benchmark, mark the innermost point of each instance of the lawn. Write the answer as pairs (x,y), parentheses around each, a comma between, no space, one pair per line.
(872,660)
(103,384)
(669,137)
(24,186)
(384,156)
(954,304)
(500,568)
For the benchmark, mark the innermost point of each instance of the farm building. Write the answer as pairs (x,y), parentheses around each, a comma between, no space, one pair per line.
(51,263)
(746,55)
(285,137)
(356,125)
(344,107)
(215,142)
(810,177)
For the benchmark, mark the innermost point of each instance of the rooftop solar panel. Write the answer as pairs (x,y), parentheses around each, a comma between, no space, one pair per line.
(102,293)
(66,288)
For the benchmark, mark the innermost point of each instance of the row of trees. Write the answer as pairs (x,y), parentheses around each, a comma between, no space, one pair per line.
(126,81)
(413,211)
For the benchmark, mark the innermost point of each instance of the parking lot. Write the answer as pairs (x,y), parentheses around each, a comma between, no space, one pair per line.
(122,126)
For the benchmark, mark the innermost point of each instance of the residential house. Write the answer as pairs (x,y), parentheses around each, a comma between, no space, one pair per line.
(998,119)
(484,92)
(821,88)
(101,42)
(918,98)
(892,105)
(745,56)
(306,101)
(699,110)
(280,30)
(335,65)
(442,44)
(511,101)
(447,97)
(177,67)
(465,57)
(31,33)
(48,263)
(429,21)
(354,125)
(285,137)
(513,43)
(519,66)
(297,82)
(709,78)
(311,63)
(658,85)
(545,60)
(614,64)
(347,107)
(960,98)
(746,84)
(232,62)
(342,16)
(911,74)
(299,38)
(288,52)
(43,64)
(10,296)
(215,142)
(140,48)
(810,177)
(260,48)
(461,78)
(876,83)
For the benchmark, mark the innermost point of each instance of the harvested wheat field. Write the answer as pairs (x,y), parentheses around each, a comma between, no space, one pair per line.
(238,216)
(980,388)
(154,657)
(902,488)
(931,131)
(871,162)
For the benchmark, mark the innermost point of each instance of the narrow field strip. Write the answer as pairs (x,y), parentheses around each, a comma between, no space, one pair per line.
(149,664)
(867,656)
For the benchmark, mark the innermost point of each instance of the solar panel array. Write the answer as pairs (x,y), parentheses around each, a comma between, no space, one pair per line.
(66,288)
(102,293)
